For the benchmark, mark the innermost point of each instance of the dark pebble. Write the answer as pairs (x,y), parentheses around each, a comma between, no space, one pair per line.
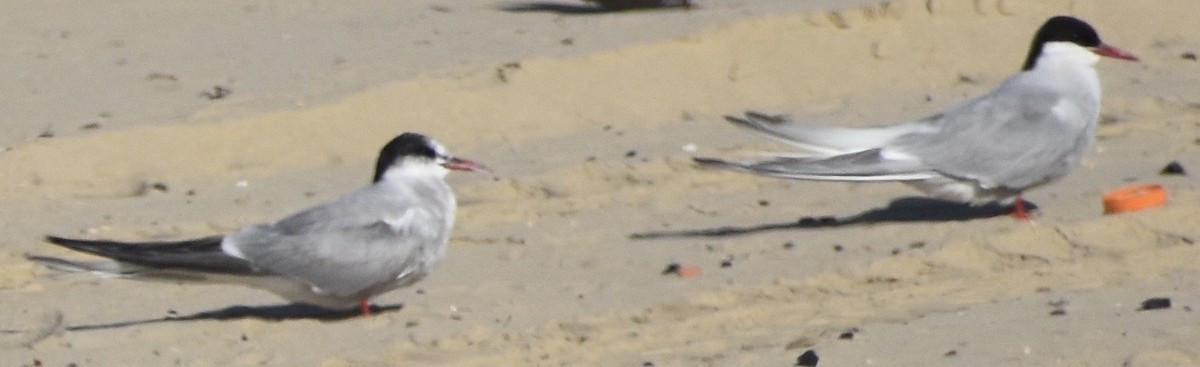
(789,245)
(1058,312)
(727,262)
(631,154)
(1155,304)
(1188,56)
(672,268)
(808,359)
(951,353)
(1173,168)
(764,203)
(847,335)
(216,93)
(838,248)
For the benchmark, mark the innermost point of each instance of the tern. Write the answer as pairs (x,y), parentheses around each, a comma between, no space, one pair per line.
(335,255)
(1031,130)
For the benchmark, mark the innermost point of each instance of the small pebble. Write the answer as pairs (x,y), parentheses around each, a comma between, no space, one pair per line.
(1173,168)
(1188,56)
(727,262)
(808,359)
(838,248)
(789,245)
(764,202)
(216,93)
(847,335)
(1155,304)
(672,268)
(1058,312)
(951,353)
(631,154)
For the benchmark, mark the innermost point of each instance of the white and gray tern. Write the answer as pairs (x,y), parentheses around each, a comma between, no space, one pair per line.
(1029,131)
(335,255)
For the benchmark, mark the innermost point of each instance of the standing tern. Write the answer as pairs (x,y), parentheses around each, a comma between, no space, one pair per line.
(1029,131)
(335,255)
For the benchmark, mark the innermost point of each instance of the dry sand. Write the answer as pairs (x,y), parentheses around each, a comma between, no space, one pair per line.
(587,135)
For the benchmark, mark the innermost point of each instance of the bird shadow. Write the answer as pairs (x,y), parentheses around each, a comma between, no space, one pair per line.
(295,311)
(549,7)
(902,210)
(571,9)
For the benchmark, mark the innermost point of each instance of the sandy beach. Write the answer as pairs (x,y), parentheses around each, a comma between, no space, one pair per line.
(155,120)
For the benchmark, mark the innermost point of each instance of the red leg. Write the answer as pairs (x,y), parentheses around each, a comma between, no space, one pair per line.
(365,306)
(1019,211)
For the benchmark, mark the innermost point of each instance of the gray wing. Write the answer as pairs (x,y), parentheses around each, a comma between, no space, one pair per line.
(868,165)
(823,139)
(1011,138)
(350,245)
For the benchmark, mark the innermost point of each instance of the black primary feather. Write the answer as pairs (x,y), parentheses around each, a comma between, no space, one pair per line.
(202,254)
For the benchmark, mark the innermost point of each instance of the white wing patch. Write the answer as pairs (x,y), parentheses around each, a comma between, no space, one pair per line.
(895,155)
(229,247)
(403,222)
(1067,111)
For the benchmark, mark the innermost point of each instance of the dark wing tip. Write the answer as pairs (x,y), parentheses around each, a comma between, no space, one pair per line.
(735,119)
(74,244)
(713,162)
(762,117)
(58,240)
